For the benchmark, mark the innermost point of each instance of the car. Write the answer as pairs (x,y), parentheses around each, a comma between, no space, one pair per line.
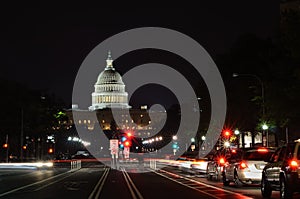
(248,169)
(282,172)
(184,164)
(217,162)
(199,165)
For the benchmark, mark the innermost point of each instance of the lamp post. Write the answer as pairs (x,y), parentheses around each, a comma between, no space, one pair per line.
(265,128)
(262,88)
(262,94)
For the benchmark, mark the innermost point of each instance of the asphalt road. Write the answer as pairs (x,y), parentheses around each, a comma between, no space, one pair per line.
(103,182)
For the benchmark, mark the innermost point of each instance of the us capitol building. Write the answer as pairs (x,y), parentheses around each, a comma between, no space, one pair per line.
(109,89)
(110,93)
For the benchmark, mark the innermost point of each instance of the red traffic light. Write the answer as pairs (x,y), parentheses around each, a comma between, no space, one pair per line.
(129,134)
(50,150)
(227,133)
(5,145)
(127,143)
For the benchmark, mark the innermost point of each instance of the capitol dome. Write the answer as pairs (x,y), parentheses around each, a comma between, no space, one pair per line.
(109,89)
(108,76)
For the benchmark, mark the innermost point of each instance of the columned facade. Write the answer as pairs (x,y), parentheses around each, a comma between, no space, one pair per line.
(109,89)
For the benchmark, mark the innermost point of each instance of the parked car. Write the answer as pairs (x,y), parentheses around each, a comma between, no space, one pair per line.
(248,169)
(282,172)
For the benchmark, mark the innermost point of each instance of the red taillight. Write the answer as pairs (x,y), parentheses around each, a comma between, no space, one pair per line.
(294,165)
(262,150)
(222,161)
(243,165)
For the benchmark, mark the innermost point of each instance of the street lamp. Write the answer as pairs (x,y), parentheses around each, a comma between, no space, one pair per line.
(262,88)
(262,91)
(265,127)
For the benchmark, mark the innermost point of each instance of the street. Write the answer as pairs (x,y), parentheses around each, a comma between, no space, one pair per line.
(99,181)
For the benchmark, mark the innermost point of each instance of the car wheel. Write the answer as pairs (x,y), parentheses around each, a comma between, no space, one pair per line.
(284,191)
(265,188)
(225,181)
(209,177)
(237,181)
(217,174)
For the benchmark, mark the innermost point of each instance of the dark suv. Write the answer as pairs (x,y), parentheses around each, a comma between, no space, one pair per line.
(282,173)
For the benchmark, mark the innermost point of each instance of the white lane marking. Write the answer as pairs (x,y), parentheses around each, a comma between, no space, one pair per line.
(186,185)
(104,175)
(47,185)
(207,185)
(29,185)
(129,180)
(129,187)
(101,185)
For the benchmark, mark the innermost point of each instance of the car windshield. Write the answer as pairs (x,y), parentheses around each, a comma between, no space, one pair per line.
(256,155)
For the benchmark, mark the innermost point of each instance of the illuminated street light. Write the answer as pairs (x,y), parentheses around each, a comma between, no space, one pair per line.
(192,139)
(174,137)
(203,138)
(227,144)
(236,132)
(265,127)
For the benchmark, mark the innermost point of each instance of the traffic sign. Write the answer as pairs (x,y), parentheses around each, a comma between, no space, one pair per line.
(114,146)
(126,152)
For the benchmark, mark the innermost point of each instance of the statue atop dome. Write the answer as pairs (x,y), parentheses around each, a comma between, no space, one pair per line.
(109,61)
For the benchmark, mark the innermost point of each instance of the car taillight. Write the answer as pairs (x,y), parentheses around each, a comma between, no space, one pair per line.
(262,150)
(222,161)
(243,165)
(293,165)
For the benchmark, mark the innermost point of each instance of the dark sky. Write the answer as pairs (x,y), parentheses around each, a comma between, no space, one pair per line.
(43,46)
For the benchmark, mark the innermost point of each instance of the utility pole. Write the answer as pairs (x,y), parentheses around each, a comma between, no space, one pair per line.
(286,134)
(7,147)
(21,137)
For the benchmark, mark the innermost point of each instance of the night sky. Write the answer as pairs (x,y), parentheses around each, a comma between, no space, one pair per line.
(43,46)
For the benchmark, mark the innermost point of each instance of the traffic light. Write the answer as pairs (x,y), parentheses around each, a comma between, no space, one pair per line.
(5,145)
(24,147)
(226,133)
(127,143)
(126,139)
(123,139)
(128,134)
(50,150)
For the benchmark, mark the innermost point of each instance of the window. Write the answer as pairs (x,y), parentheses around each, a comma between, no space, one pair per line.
(275,155)
(282,154)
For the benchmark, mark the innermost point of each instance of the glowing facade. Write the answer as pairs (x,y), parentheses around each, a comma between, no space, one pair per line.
(109,89)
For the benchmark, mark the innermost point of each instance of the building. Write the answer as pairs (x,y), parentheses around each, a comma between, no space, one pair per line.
(110,93)
(109,89)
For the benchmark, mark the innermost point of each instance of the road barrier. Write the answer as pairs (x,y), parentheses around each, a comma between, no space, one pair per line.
(153,164)
(75,165)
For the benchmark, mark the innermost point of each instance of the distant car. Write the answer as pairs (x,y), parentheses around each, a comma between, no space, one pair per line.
(184,164)
(282,172)
(199,165)
(248,169)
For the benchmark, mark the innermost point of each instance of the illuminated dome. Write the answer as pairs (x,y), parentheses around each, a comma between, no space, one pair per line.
(109,89)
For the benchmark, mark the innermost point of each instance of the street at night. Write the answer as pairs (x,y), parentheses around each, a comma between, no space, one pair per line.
(150,101)
(99,181)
